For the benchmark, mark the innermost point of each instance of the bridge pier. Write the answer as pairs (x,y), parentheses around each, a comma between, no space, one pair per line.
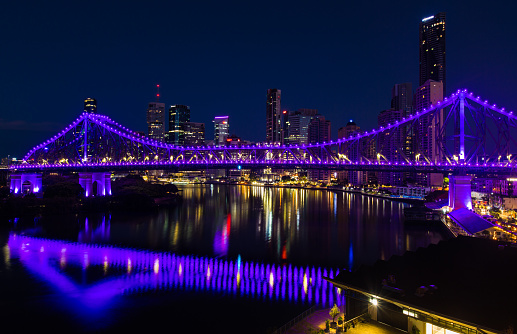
(95,184)
(460,193)
(25,183)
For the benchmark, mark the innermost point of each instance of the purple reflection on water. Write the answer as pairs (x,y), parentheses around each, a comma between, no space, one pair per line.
(133,271)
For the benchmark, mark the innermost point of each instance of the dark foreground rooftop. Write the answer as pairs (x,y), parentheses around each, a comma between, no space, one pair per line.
(468,279)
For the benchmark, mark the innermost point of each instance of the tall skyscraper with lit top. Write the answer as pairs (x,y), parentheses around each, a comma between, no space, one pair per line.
(432,49)
(273,116)
(431,90)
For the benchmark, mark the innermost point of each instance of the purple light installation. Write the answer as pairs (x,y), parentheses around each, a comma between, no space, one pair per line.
(147,270)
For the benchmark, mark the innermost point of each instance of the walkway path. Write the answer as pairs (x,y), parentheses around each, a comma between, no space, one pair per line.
(316,321)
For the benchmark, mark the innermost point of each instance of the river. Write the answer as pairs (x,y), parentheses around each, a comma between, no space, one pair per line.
(225,259)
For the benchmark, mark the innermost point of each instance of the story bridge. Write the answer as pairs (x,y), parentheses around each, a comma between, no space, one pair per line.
(460,135)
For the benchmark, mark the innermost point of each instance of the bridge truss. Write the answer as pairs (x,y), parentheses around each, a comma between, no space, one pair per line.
(462,132)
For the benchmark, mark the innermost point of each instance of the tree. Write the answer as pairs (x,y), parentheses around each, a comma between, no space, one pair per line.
(334,312)
(67,189)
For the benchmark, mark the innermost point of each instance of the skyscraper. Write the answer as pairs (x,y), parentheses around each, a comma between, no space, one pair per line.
(350,153)
(221,130)
(428,127)
(194,134)
(298,126)
(90,105)
(431,90)
(273,116)
(428,130)
(156,120)
(402,97)
(178,115)
(432,49)
(347,130)
(319,132)
(390,143)
(402,100)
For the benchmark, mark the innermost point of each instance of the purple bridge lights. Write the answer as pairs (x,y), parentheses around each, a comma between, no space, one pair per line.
(470,136)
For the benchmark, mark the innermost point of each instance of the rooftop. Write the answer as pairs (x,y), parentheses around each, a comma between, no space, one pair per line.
(467,279)
(471,222)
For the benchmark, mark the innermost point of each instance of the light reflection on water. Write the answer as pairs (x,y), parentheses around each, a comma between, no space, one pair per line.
(297,226)
(245,242)
(129,271)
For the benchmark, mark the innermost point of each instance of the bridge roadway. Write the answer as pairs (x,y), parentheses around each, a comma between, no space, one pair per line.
(505,168)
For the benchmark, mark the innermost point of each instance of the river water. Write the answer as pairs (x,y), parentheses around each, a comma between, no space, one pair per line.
(225,259)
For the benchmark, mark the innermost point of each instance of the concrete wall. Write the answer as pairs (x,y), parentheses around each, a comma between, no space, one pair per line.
(460,194)
(34,180)
(103,181)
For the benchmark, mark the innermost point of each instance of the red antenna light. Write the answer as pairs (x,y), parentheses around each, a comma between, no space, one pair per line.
(157,93)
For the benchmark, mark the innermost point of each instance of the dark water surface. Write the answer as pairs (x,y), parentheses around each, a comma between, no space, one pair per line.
(226,259)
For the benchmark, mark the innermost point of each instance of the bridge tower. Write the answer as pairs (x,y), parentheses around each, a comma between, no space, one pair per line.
(462,127)
(460,194)
(25,183)
(95,184)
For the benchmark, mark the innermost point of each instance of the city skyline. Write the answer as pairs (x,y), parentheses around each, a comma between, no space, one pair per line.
(121,97)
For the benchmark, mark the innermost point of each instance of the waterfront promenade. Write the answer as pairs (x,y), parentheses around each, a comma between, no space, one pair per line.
(316,321)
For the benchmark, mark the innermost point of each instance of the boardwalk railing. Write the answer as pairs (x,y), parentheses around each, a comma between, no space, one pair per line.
(296,320)
(356,319)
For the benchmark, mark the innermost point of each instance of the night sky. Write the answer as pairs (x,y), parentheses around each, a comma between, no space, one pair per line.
(220,57)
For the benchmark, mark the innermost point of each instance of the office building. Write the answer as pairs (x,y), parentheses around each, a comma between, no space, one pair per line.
(347,130)
(390,145)
(178,115)
(194,134)
(402,100)
(432,49)
(428,132)
(90,105)
(402,97)
(349,152)
(156,120)
(356,151)
(297,126)
(319,132)
(221,130)
(273,116)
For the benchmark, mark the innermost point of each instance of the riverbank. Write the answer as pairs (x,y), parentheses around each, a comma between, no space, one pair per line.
(390,198)
(414,201)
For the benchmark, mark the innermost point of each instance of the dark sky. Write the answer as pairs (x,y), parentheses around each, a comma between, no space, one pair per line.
(220,57)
